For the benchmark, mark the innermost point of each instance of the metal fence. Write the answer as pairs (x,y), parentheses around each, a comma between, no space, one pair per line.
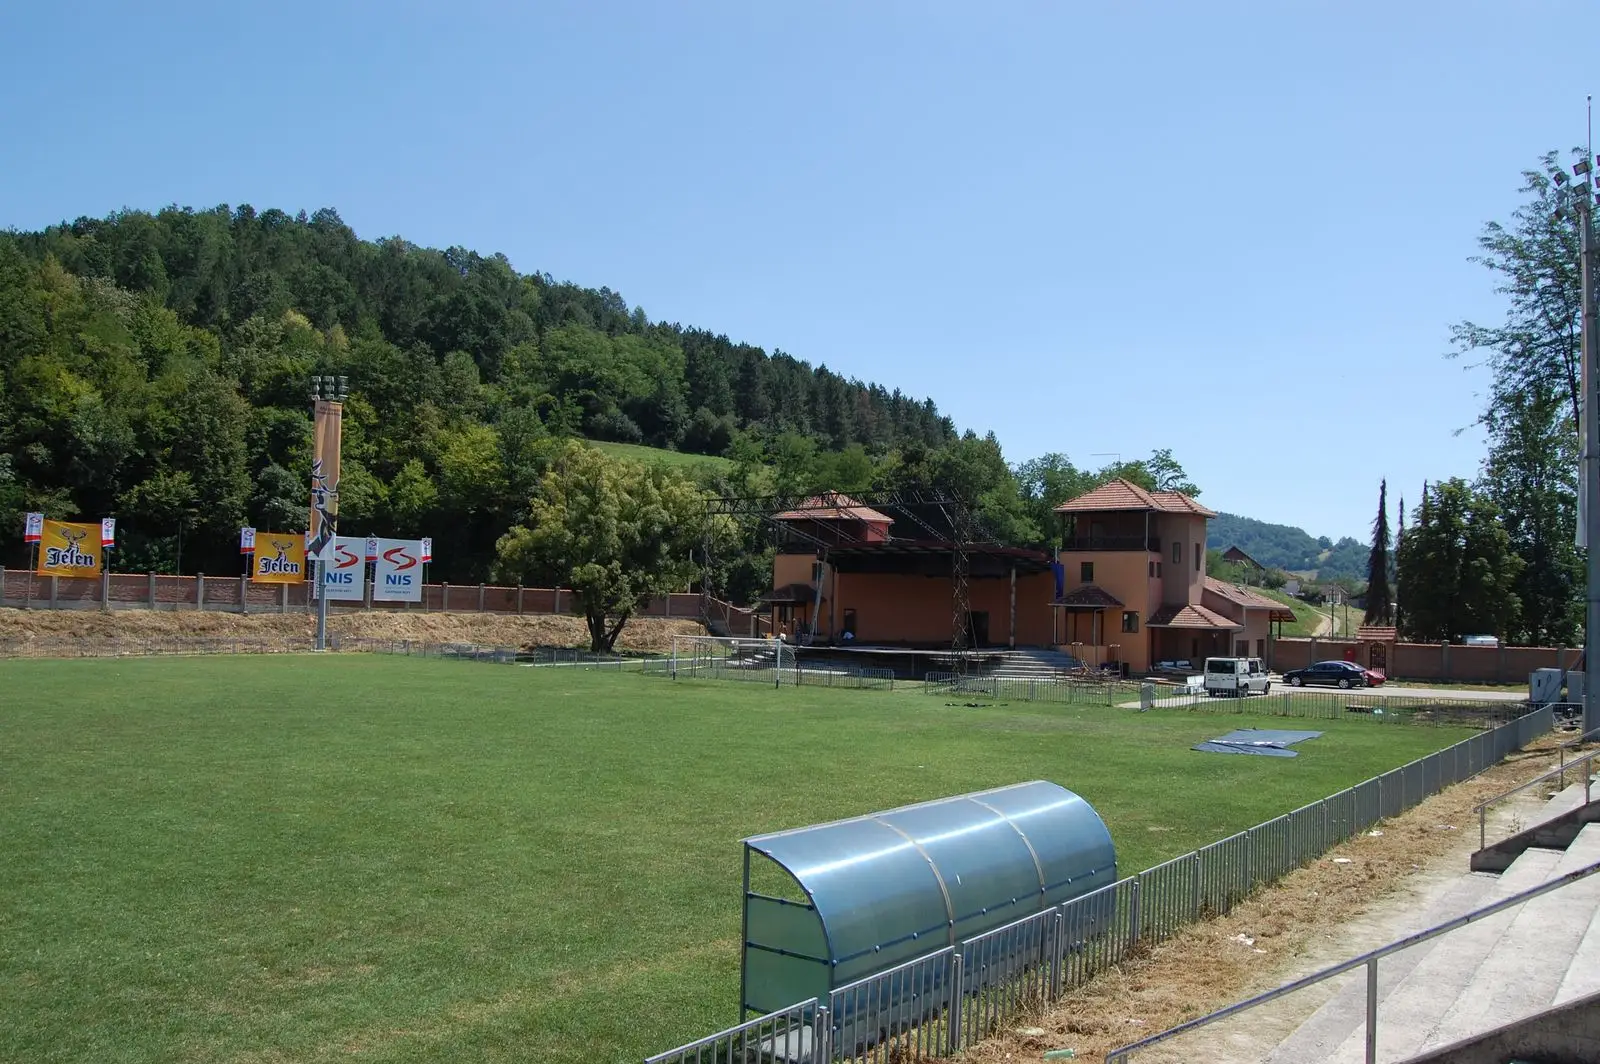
(953,998)
(799,1032)
(760,668)
(1066,691)
(494,654)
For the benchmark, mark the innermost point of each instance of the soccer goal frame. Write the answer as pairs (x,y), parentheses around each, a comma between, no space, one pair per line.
(723,657)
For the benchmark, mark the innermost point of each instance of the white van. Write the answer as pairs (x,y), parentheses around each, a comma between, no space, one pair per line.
(1236,677)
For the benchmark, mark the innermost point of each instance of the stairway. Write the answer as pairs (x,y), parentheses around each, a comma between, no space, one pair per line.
(1031,664)
(1507,967)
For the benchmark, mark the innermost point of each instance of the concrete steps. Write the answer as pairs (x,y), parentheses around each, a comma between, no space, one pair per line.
(1505,968)
(1032,664)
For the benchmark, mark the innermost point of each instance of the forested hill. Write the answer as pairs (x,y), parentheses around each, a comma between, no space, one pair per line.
(156,367)
(1288,548)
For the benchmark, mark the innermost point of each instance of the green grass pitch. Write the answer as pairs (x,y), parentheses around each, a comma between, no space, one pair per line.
(388,859)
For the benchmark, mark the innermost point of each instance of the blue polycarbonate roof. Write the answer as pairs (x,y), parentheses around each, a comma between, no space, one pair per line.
(894,885)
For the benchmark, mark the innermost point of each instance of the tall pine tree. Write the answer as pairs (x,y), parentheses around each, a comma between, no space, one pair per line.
(1380,600)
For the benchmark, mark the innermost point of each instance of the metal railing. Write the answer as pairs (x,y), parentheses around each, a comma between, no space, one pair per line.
(799,1032)
(950,999)
(1014,689)
(1368,960)
(1482,808)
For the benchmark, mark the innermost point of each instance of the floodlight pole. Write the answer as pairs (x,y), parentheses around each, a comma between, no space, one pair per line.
(1591,452)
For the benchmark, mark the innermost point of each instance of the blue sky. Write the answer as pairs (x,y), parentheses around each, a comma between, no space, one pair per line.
(1230,229)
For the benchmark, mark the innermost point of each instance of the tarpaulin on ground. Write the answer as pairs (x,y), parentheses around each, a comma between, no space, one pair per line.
(1265,741)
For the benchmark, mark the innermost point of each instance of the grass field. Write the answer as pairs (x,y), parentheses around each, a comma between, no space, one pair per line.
(655,456)
(390,859)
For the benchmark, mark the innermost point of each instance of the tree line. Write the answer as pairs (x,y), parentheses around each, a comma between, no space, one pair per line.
(156,367)
(1496,555)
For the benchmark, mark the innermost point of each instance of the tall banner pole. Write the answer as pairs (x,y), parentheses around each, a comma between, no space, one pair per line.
(328,394)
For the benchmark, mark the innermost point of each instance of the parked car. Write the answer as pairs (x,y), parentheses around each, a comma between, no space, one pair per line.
(1375,677)
(1344,674)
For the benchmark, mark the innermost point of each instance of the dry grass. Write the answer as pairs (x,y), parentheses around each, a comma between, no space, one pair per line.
(1207,966)
(46,633)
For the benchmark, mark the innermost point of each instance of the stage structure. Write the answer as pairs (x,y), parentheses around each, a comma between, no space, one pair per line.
(927,519)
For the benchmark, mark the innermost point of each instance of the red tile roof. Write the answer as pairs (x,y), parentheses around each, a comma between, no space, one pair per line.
(1250,600)
(1088,597)
(1190,617)
(1122,494)
(1373,633)
(833,506)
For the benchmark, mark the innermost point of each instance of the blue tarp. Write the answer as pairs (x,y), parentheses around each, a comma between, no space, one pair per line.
(1264,741)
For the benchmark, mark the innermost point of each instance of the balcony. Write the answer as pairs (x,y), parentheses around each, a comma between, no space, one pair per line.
(1150,545)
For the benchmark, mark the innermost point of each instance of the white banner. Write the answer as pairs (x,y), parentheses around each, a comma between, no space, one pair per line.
(108,532)
(427,550)
(345,575)
(247,540)
(33,528)
(398,576)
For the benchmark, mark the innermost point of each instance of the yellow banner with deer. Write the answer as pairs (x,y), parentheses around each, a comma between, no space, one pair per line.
(280,558)
(67,549)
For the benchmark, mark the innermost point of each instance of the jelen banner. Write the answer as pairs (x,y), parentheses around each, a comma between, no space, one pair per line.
(344,575)
(398,576)
(67,549)
(325,479)
(280,558)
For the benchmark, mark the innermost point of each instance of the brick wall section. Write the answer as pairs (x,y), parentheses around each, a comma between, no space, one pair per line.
(136,590)
(1429,661)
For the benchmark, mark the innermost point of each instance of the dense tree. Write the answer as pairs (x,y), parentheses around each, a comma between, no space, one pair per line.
(1457,571)
(615,532)
(1380,601)
(1532,410)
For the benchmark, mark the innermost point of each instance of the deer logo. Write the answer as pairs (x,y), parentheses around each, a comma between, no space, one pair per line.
(69,556)
(278,563)
(324,509)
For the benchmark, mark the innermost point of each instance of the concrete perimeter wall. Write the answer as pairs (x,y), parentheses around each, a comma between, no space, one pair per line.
(21,589)
(1428,661)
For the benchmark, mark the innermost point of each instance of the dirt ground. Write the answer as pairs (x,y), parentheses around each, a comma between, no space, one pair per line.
(50,633)
(1352,899)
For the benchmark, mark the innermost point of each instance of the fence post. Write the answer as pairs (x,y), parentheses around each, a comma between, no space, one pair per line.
(519,600)
(1194,890)
(199,591)
(444,598)
(1133,910)
(954,1024)
(105,590)
(557,607)
(821,1035)
(244,594)
(54,580)
(2,586)
(1058,949)
(480,598)
(283,598)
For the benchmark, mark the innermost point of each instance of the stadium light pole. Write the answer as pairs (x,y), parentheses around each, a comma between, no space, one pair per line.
(1579,194)
(326,389)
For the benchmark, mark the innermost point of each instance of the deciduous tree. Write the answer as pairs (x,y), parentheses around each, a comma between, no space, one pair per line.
(614,531)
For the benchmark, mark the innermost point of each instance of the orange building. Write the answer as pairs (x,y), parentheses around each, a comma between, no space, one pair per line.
(856,582)
(1136,590)
(1129,585)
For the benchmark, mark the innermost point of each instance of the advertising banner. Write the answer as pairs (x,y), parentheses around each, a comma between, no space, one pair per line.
(108,532)
(398,577)
(344,575)
(247,540)
(427,551)
(67,549)
(325,479)
(33,528)
(280,557)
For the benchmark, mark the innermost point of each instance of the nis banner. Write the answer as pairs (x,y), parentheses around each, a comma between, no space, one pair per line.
(325,480)
(69,549)
(398,576)
(344,575)
(279,558)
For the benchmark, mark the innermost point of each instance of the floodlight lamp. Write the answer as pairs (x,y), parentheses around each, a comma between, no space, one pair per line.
(1581,191)
(344,387)
(1582,167)
(1560,177)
